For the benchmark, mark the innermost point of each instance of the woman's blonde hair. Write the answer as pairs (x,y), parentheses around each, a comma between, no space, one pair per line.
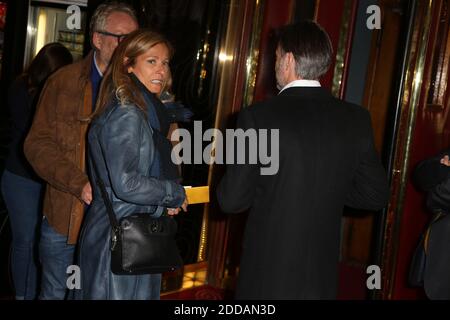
(117,82)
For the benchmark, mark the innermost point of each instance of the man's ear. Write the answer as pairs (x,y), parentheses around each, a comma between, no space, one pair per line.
(290,60)
(96,40)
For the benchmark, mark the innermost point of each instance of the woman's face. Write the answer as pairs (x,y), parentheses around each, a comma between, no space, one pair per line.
(152,68)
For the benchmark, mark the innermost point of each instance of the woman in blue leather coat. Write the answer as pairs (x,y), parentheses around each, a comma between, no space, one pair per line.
(127,141)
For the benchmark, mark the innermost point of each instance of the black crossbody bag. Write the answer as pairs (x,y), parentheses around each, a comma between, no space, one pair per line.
(140,243)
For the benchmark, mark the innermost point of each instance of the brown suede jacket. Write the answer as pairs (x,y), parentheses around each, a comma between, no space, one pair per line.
(55,145)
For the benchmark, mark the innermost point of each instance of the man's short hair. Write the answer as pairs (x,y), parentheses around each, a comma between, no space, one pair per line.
(311,47)
(98,20)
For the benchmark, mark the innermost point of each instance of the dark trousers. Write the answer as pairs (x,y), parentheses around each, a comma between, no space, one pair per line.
(23,201)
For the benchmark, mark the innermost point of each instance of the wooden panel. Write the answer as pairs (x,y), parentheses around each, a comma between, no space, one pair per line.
(379,86)
(277,14)
(329,16)
(381,73)
(438,93)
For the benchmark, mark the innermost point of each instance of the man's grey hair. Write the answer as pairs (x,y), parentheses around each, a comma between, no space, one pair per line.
(98,20)
(311,47)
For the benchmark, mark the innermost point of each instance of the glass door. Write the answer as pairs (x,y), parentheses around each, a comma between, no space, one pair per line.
(47,22)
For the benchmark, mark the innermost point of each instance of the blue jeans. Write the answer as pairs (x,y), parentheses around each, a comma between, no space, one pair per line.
(56,255)
(23,201)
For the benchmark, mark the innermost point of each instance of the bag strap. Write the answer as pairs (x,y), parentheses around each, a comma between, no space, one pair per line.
(109,208)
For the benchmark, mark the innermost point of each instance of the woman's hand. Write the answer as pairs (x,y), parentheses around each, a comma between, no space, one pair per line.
(445,161)
(175,211)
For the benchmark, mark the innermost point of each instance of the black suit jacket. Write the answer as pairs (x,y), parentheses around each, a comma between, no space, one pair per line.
(327,160)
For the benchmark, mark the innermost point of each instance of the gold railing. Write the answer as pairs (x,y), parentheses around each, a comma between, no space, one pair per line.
(193,275)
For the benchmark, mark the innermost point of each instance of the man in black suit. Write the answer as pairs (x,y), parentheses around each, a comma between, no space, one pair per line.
(327,160)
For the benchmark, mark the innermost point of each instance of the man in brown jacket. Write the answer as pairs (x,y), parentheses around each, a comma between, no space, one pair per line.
(55,145)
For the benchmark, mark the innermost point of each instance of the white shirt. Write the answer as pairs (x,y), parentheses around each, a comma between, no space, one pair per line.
(96,66)
(301,83)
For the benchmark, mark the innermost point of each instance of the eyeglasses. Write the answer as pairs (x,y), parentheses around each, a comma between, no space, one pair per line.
(119,37)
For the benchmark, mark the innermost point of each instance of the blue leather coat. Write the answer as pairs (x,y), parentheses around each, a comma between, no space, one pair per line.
(121,143)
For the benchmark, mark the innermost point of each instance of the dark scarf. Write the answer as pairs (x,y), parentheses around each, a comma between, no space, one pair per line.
(156,111)
(158,120)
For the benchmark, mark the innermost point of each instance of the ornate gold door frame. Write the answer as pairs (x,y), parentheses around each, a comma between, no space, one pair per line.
(408,99)
(238,59)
